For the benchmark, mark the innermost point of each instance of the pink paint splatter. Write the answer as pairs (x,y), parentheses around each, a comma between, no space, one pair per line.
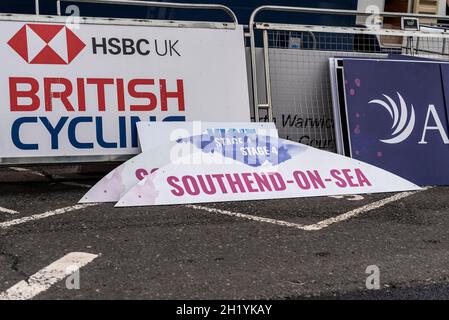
(352,92)
(143,193)
(357,82)
(380,154)
(357,129)
(114,184)
(357,152)
(357,115)
(110,188)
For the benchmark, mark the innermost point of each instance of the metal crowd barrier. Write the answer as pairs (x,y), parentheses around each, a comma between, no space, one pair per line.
(291,76)
(153,4)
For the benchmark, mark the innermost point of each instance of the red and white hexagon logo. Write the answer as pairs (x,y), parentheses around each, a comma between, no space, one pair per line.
(46,44)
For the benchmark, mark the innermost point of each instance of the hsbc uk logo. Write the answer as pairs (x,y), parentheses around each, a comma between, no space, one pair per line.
(46,44)
(404,120)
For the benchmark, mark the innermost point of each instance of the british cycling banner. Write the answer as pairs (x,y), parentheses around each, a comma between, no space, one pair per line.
(80,92)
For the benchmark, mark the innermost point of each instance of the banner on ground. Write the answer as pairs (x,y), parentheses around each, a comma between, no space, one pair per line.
(152,134)
(241,167)
(158,150)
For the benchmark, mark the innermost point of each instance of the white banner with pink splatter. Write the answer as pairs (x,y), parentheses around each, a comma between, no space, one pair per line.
(158,141)
(238,167)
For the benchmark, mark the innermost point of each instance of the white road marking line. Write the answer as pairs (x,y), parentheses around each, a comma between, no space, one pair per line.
(48,276)
(353,213)
(46,214)
(8,211)
(18,169)
(317,226)
(55,176)
(349,198)
(246,216)
(27,170)
(76,184)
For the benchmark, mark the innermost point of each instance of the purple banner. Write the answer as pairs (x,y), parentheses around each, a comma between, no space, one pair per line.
(397,117)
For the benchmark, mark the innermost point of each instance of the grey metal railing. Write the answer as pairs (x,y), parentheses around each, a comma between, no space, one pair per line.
(285,9)
(197,6)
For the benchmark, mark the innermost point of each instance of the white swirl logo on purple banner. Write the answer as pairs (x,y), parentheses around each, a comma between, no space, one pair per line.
(403,124)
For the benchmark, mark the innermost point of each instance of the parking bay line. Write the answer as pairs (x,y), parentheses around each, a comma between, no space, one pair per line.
(55,176)
(48,276)
(246,216)
(76,184)
(8,211)
(354,213)
(36,173)
(316,226)
(313,227)
(47,214)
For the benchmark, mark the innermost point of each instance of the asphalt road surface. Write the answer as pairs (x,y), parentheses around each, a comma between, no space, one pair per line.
(318,248)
